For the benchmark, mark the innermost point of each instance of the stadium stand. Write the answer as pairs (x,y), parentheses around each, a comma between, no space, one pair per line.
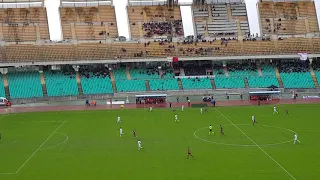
(150,21)
(61,83)
(288,18)
(88,23)
(2,91)
(229,82)
(196,83)
(95,80)
(120,74)
(242,69)
(130,85)
(295,75)
(263,81)
(141,73)
(24,84)
(163,84)
(24,24)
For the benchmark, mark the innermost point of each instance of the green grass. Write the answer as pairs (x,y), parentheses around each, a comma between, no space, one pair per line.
(94,149)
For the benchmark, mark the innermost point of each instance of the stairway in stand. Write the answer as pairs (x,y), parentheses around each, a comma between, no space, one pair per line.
(114,87)
(180,84)
(79,83)
(43,84)
(246,82)
(147,85)
(213,83)
(6,86)
(278,77)
(314,78)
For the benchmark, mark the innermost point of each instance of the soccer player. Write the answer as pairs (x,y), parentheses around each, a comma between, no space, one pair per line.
(287,112)
(201,110)
(121,132)
(206,109)
(295,138)
(221,130)
(122,106)
(182,108)
(139,145)
(189,153)
(134,133)
(275,110)
(210,130)
(150,108)
(119,120)
(253,120)
(176,118)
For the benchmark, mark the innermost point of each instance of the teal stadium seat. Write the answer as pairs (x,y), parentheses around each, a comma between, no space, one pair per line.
(96,85)
(142,74)
(219,73)
(193,83)
(168,75)
(130,85)
(120,74)
(229,82)
(267,70)
(2,91)
(317,75)
(59,84)
(243,73)
(167,84)
(25,84)
(262,81)
(297,80)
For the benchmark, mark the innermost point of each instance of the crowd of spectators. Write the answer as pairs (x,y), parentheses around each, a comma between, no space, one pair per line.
(293,66)
(242,66)
(178,28)
(99,71)
(157,28)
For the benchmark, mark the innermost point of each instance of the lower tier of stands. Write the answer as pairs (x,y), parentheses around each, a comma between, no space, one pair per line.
(163,84)
(317,76)
(297,80)
(2,91)
(229,82)
(60,84)
(96,84)
(130,85)
(262,81)
(24,84)
(196,83)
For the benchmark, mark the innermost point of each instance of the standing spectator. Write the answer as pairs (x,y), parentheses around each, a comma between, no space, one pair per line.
(177,99)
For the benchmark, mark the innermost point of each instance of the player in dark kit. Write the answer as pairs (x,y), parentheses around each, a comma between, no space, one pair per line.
(221,130)
(287,112)
(189,153)
(134,133)
(206,109)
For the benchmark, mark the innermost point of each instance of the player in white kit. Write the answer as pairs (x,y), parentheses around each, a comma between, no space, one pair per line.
(150,108)
(275,110)
(182,108)
(201,110)
(121,131)
(119,119)
(176,118)
(139,145)
(295,138)
(253,120)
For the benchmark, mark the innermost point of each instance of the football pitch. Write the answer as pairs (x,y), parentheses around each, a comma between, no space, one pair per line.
(86,144)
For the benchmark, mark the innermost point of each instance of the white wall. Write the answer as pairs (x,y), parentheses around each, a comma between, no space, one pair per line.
(187,18)
(253,17)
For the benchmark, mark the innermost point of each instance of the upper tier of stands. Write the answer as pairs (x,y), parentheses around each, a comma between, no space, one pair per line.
(23,24)
(221,19)
(149,21)
(88,23)
(90,51)
(287,18)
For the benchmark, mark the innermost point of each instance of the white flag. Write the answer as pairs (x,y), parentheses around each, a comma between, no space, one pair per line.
(303,56)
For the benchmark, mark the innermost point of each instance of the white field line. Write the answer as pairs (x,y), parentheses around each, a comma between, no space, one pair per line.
(38,148)
(67,137)
(255,144)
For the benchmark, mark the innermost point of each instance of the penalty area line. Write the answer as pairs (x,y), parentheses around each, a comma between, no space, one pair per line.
(256,144)
(39,148)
